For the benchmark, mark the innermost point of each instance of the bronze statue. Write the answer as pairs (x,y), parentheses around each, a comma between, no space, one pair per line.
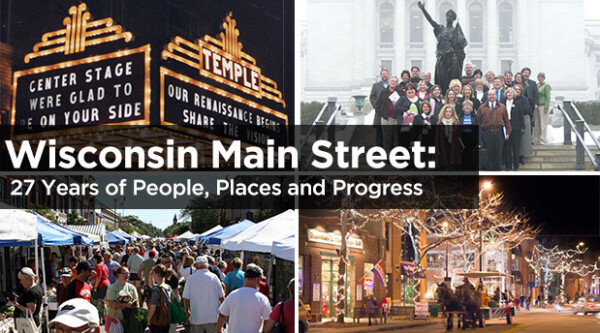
(450,48)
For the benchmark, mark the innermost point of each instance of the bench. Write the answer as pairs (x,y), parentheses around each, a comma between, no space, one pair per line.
(361,312)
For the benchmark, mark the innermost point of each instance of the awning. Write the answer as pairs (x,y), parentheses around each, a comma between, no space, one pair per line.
(96,232)
(17,224)
(78,238)
(46,234)
(260,237)
(114,239)
(210,231)
(479,275)
(123,234)
(229,231)
(285,248)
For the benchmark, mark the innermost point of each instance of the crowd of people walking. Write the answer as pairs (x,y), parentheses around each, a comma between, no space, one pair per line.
(501,117)
(164,286)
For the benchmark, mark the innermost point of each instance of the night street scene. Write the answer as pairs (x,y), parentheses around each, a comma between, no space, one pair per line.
(527,260)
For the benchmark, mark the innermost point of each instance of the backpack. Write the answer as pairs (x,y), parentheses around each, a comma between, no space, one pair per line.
(280,325)
(161,315)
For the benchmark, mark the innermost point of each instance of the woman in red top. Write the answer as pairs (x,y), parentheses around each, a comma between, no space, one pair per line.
(100,278)
(287,317)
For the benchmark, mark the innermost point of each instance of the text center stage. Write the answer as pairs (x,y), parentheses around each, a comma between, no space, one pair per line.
(198,91)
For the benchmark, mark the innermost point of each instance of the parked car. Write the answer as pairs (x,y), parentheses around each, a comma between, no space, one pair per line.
(588,304)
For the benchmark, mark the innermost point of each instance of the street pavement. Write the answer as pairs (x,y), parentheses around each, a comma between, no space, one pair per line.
(546,322)
(523,322)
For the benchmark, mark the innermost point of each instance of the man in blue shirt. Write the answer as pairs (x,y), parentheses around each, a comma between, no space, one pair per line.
(111,264)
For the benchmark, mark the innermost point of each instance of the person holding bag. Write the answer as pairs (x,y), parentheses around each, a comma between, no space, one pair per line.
(120,295)
(159,312)
(28,306)
(282,318)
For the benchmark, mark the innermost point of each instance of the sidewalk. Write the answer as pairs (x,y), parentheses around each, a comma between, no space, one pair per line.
(350,327)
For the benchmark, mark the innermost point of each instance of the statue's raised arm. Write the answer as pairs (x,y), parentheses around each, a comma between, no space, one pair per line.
(427,16)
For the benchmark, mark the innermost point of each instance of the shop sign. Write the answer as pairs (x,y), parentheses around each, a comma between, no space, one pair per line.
(225,95)
(103,89)
(410,270)
(316,292)
(421,310)
(333,239)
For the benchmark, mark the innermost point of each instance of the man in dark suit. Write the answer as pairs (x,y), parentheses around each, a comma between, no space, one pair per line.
(495,129)
(498,84)
(377,88)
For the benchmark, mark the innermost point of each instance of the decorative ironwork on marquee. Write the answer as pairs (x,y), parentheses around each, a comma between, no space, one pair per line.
(224,61)
(78,34)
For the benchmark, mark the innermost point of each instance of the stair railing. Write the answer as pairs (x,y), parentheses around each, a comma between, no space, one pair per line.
(579,126)
(321,128)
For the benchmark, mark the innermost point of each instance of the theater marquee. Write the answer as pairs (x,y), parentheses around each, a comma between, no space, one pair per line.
(201,104)
(103,89)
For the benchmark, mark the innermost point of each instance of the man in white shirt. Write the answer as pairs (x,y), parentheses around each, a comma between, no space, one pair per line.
(246,307)
(202,296)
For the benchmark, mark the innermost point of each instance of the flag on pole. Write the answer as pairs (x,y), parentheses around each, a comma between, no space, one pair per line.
(379,272)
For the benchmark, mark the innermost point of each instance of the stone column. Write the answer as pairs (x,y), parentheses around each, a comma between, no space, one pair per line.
(371,67)
(358,41)
(400,34)
(522,36)
(492,37)
(461,11)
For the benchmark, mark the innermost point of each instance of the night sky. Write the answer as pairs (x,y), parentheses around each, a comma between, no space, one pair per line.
(567,207)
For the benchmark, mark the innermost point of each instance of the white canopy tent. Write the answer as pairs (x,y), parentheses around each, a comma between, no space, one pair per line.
(260,237)
(211,230)
(185,236)
(285,248)
(17,225)
(97,232)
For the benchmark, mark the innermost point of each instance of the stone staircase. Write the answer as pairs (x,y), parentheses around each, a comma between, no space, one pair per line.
(555,158)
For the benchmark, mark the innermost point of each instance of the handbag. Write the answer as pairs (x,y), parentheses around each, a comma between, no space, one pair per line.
(116,326)
(161,315)
(177,314)
(280,325)
(135,320)
(26,324)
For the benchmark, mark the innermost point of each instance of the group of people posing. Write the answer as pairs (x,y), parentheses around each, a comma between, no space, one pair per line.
(502,116)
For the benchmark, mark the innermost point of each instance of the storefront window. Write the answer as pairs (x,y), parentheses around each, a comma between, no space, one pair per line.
(329,287)
(436,260)
(368,281)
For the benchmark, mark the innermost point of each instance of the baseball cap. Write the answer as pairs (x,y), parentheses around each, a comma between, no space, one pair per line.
(202,260)
(227,256)
(253,272)
(77,312)
(66,271)
(152,253)
(83,265)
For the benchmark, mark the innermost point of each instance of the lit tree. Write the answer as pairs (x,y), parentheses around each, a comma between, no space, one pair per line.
(540,262)
(562,262)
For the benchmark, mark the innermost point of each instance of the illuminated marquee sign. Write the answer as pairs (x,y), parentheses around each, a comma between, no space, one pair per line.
(111,88)
(201,105)
(331,238)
